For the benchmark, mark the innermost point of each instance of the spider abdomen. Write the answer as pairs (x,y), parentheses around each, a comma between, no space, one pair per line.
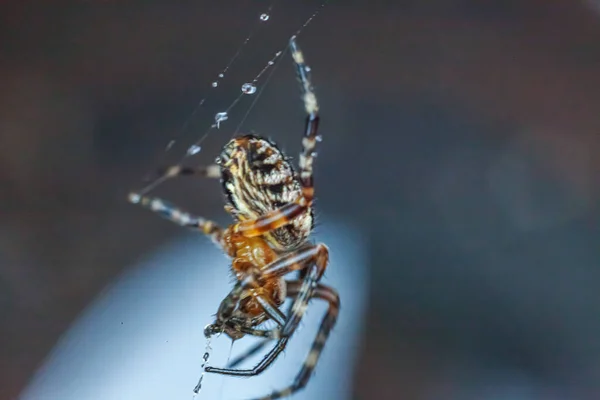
(257,178)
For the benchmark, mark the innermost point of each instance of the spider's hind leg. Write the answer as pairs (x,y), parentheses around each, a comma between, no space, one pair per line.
(329,295)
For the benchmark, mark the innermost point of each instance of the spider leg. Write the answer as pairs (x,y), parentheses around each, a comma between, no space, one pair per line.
(302,296)
(300,259)
(272,220)
(314,264)
(212,171)
(248,353)
(178,216)
(258,368)
(329,295)
(311,105)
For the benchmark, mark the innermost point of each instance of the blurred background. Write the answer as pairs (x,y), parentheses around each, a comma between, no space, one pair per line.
(459,160)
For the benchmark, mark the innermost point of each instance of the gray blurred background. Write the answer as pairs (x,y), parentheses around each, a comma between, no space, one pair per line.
(461,136)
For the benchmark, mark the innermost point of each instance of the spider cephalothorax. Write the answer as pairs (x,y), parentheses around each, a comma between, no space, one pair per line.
(272,207)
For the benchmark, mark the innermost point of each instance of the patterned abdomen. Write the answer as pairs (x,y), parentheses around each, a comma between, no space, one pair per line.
(257,178)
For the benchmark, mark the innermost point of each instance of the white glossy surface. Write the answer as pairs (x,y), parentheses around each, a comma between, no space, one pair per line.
(142,338)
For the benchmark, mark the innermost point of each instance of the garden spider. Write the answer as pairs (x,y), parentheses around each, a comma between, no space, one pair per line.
(272,208)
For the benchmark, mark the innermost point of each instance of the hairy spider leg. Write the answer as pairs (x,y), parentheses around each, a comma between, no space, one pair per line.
(212,171)
(248,353)
(179,216)
(311,105)
(258,368)
(329,295)
(278,218)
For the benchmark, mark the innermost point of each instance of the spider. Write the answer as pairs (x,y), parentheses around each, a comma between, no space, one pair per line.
(272,207)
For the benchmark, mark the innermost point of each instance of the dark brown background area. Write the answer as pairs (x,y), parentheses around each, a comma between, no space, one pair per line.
(462,135)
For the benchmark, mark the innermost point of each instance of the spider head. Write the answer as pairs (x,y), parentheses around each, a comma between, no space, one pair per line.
(218,328)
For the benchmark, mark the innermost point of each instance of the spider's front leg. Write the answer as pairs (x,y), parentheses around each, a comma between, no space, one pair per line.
(329,295)
(180,217)
(173,213)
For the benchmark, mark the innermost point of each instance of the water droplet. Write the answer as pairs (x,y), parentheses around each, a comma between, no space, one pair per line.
(203,366)
(319,138)
(221,75)
(194,149)
(220,117)
(215,84)
(264,17)
(134,198)
(248,88)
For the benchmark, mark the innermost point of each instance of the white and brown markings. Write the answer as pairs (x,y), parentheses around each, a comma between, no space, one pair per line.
(272,208)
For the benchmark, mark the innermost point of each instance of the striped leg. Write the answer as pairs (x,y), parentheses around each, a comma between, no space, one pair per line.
(298,260)
(248,353)
(311,105)
(178,216)
(315,262)
(329,295)
(258,368)
(212,171)
(272,220)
